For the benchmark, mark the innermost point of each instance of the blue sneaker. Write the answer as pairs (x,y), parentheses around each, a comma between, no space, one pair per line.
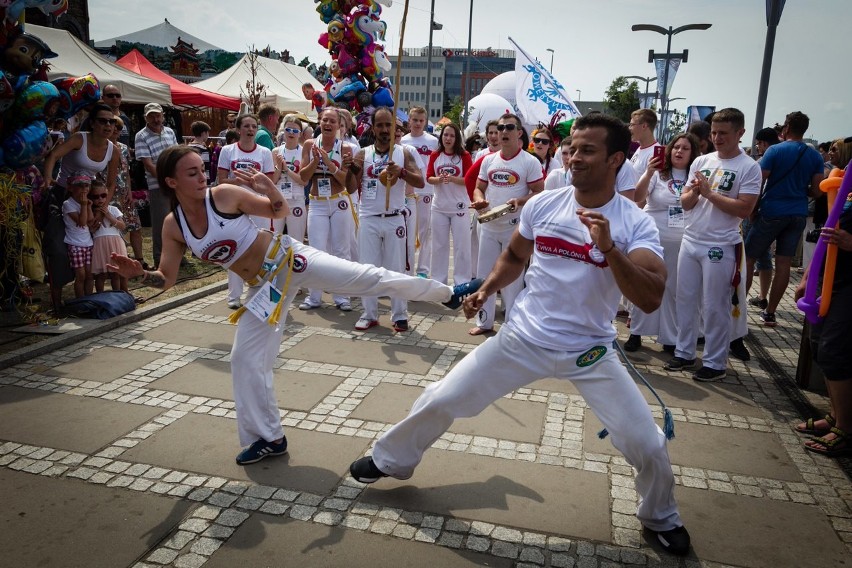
(261,449)
(462,291)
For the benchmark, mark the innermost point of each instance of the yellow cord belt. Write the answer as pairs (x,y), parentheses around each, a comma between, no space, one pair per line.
(267,273)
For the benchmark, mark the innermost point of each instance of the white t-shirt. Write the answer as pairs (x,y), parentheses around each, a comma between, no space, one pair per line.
(108,228)
(625,179)
(641,157)
(571,297)
(663,203)
(292,191)
(484,152)
(233,158)
(450,197)
(373,191)
(507,179)
(706,223)
(421,165)
(74,235)
(424,144)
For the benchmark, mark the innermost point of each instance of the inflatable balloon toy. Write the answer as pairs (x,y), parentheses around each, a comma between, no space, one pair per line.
(332,38)
(327,9)
(36,101)
(23,57)
(346,90)
(838,186)
(76,93)
(48,7)
(26,145)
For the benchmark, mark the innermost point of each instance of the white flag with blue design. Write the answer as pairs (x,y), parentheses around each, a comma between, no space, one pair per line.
(538,94)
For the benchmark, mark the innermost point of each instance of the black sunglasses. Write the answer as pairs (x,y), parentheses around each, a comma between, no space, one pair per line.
(509,127)
(104,121)
(541,140)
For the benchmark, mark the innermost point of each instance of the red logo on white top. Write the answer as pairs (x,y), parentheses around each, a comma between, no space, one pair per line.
(220,252)
(586,252)
(503,178)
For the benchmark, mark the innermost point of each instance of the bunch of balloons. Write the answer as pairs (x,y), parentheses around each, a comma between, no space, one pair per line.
(359,63)
(27,101)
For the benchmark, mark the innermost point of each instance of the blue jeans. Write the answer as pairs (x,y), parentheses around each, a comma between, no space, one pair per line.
(784,231)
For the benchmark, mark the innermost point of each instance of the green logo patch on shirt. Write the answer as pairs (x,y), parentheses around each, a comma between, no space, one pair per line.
(591,356)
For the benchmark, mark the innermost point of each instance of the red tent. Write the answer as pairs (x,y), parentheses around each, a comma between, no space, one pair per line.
(182,94)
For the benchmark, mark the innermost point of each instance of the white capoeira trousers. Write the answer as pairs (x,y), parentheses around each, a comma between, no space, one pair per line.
(457,225)
(704,273)
(424,233)
(491,246)
(662,322)
(507,362)
(474,244)
(382,243)
(410,234)
(331,228)
(256,344)
(296,222)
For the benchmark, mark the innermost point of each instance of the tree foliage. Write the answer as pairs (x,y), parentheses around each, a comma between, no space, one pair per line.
(254,90)
(622,98)
(677,122)
(456,111)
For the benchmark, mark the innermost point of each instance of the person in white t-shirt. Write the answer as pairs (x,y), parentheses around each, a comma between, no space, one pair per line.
(510,176)
(492,140)
(288,162)
(244,154)
(721,191)
(642,125)
(625,179)
(587,245)
(410,200)
(425,144)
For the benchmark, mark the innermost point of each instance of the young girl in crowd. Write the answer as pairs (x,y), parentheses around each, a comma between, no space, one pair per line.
(106,225)
(76,214)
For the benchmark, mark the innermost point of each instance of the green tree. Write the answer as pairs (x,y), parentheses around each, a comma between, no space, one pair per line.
(456,111)
(676,124)
(622,98)
(304,62)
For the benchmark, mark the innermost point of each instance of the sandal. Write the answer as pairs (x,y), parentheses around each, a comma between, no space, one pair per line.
(810,427)
(835,448)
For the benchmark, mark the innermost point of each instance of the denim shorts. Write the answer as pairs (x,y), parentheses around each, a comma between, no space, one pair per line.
(764,261)
(784,231)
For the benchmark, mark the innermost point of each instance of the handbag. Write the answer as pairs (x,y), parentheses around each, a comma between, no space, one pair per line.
(103,305)
(32,261)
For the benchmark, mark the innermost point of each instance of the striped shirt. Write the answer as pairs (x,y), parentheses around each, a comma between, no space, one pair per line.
(149,144)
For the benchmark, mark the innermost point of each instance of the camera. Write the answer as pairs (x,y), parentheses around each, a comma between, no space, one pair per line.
(812,236)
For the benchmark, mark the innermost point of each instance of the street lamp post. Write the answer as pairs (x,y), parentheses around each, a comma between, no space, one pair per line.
(433,26)
(551,59)
(647,84)
(467,68)
(773,16)
(664,90)
(579,94)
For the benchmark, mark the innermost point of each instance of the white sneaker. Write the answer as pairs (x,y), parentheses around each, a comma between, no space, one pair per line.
(234,304)
(365,323)
(308,305)
(344,307)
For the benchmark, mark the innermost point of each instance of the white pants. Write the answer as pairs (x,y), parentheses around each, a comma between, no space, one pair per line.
(410,234)
(331,229)
(444,225)
(704,271)
(424,233)
(296,222)
(491,246)
(382,243)
(507,362)
(663,321)
(257,343)
(474,244)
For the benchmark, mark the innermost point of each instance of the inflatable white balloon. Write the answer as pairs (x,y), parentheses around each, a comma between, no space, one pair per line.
(482,108)
(504,86)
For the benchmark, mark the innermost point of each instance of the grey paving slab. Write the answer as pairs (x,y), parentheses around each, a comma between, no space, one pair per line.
(65,421)
(456,332)
(104,365)
(316,462)
(219,309)
(504,419)
(198,334)
(759,533)
(369,354)
(554,385)
(263,540)
(64,522)
(329,317)
(681,391)
(205,377)
(511,493)
(733,450)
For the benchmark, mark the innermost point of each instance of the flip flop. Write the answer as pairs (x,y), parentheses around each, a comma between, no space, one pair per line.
(810,427)
(836,448)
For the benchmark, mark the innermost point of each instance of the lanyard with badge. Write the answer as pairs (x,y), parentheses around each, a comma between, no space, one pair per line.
(676,218)
(286,184)
(379,164)
(324,183)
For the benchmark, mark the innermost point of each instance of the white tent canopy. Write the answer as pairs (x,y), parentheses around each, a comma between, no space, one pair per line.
(77,59)
(283,83)
(162,35)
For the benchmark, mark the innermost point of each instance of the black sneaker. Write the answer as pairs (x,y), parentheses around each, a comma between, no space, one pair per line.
(400,325)
(679,364)
(633,343)
(260,450)
(708,375)
(739,351)
(674,541)
(768,319)
(462,291)
(758,303)
(365,471)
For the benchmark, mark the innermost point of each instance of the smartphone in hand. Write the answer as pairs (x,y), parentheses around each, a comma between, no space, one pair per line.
(660,154)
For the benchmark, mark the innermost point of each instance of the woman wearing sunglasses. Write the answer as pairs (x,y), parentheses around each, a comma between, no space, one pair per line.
(543,150)
(89,151)
(288,162)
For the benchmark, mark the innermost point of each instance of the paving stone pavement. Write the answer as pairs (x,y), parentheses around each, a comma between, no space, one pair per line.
(117,450)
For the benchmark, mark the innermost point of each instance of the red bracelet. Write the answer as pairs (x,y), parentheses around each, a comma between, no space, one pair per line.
(403,173)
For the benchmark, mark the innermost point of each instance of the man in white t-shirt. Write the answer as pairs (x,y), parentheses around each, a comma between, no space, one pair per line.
(510,176)
(625,179)
(642,125)
(585,243)
(425,144)
(721,190)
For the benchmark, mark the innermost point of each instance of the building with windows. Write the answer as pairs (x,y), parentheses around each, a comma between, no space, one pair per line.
(447,79)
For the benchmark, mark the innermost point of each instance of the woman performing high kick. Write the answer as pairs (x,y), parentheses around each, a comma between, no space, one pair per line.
(216,225)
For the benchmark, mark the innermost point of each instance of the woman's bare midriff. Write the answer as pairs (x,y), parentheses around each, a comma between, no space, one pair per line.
(249,264)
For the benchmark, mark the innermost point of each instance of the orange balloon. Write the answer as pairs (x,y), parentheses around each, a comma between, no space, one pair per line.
(834,179)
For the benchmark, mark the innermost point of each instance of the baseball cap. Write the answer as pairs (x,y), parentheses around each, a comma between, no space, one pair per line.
(79,178)
(153,107)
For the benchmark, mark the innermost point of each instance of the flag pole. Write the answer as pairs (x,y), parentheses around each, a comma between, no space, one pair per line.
(396,102)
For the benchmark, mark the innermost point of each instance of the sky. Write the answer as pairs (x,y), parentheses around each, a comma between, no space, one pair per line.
(591,39)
